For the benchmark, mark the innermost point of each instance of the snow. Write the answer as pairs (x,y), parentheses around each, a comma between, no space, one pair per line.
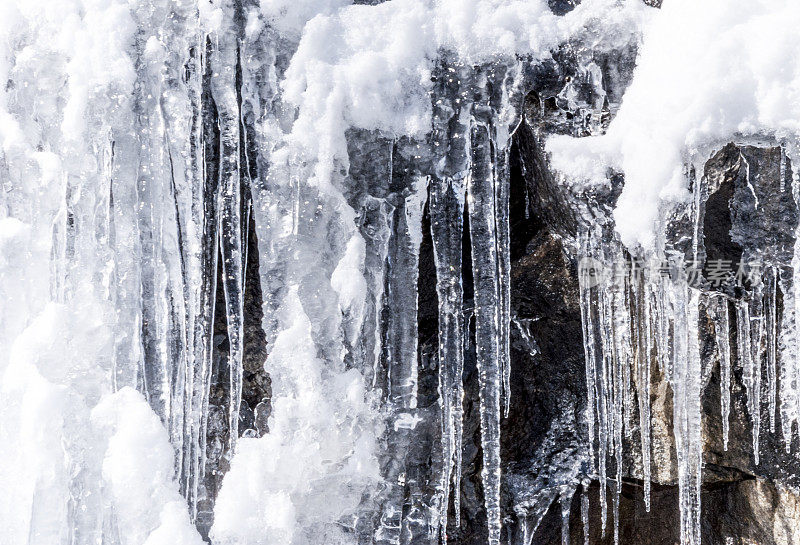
(115,457)
(310,470)
(137,468)
(348,279)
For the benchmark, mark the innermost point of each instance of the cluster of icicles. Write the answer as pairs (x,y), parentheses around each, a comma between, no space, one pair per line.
(653,314)
(163,192)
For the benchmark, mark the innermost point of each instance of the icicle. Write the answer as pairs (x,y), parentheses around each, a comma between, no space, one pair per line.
(660,306)
(501,160)
(566,506)
(585,283)
(770,321)
(604,404)
(585,513)
(613,387)
(468,324)
(619,319)
(451,141)
(402,515)
(644,353)
(223,60)
(447,208)
(155,372)
(787,370)
(722,335)
(595,317)
(783,170)
(483,238)
(751,365)
(790,322)
(526,538)
(697,217)
(687,409)
(401,324)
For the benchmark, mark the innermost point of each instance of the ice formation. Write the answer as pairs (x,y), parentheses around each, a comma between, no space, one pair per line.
(159,153)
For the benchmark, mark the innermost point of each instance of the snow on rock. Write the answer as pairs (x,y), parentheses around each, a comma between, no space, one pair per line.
(370,66)
(707,73)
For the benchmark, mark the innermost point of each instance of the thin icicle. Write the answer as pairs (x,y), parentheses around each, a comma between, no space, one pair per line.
(483,237)
(697,216)
(619,318)
(770,321)
(783,170)
(585,513)
(722,332)
(567,494)
(787,369)
(749,355)
(501,161)
(468,324)
(584,286)
(790,323)
(644,353)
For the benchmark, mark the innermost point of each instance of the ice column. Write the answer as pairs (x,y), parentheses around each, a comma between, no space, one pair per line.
(447,186)
(223,61)
(485,212)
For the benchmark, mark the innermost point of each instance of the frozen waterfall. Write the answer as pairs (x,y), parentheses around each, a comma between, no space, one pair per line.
(263,272)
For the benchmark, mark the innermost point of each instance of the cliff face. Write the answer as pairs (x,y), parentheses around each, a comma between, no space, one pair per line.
(744,212)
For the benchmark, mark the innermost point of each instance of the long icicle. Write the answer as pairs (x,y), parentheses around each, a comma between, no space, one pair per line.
(620,321)
(483,240)
(501,161)
(585,283)
(747,353)
(229,196)
(771,317)
(687,408)
(722,327)
(447,217)
(644,353)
